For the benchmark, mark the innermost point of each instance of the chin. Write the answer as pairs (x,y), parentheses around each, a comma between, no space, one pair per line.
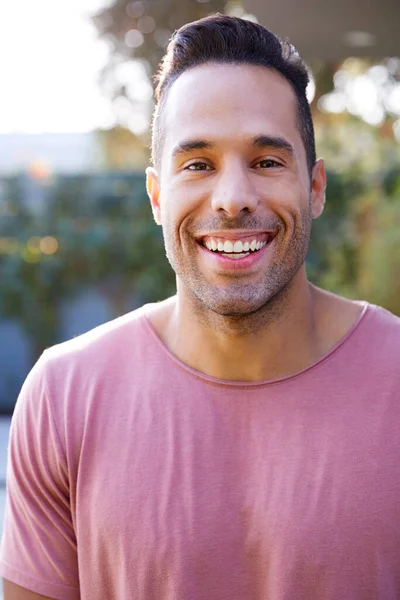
(231,305)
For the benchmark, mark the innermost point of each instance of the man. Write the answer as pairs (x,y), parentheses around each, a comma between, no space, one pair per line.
(239,440)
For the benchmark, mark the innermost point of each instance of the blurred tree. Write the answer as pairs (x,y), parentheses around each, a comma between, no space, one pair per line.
(142,28)
(365,260)
(123,150)
(94,231)
(328,231)
(138,33)
(31,283)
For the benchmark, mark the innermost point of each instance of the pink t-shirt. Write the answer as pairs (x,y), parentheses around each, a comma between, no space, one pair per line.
(133,477)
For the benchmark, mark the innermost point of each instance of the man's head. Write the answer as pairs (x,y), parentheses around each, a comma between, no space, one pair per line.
(231,40)
(236,183)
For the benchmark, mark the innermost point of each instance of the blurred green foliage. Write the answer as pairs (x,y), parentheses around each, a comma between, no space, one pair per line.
(105,237)
(363,256)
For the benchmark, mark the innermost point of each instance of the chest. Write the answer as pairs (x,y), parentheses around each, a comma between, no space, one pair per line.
(203,497)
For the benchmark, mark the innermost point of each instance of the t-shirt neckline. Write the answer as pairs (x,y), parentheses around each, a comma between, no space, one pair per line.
(254,384)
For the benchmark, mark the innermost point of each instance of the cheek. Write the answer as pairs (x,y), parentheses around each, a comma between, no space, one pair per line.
(181,203)
(173,216)
(168,204)
(291,194)
(292,206)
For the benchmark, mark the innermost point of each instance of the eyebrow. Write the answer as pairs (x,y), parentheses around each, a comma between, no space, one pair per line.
(260,141)
(277,142)
(188,146)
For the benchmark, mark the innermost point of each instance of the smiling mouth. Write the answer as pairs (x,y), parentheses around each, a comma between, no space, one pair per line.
(237,248)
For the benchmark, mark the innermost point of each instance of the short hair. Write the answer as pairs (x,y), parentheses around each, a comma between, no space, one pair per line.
(224,39)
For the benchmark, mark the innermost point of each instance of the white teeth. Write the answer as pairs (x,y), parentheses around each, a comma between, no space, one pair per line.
(238,247)
(228,246)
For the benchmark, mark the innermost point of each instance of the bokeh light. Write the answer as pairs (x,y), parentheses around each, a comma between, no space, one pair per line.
(135,9)
(39,170)
(48,245)
(33,245)
(162,37)
(310,91)
(146,24)
(367,92)
(134,38)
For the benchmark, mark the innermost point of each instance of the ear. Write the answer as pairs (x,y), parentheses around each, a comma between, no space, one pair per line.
(318,186)
(153,192)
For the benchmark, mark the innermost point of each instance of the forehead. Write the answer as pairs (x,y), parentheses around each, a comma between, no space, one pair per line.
(229,103)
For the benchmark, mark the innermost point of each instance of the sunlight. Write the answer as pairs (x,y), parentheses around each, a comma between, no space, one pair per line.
(50,77)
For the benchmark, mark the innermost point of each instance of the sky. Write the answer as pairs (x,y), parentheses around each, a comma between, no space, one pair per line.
(50,59)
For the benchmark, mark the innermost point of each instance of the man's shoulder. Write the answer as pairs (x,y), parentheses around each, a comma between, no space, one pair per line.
(360,317)
(103,341)
(382,322)
(378,338)
(102,367)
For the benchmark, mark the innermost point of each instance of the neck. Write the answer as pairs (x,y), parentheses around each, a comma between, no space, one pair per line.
(278,340)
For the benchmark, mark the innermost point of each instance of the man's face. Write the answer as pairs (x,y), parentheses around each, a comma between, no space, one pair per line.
(233,192)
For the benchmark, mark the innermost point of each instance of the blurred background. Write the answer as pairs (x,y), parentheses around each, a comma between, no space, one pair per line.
(77,241)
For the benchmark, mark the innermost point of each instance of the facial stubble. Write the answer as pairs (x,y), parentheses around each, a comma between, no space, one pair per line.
(236,301)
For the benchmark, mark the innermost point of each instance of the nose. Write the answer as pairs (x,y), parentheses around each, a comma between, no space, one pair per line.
(234,192)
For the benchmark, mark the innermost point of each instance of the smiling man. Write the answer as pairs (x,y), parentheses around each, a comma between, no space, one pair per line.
(239,440)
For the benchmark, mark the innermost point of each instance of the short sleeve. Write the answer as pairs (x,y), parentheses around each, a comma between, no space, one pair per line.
(38,549)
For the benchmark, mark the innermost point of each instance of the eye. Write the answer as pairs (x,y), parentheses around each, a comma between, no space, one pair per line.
(198,166)
(267,163)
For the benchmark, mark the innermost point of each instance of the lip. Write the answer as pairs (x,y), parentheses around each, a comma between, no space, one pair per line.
(236,234)
(222,263)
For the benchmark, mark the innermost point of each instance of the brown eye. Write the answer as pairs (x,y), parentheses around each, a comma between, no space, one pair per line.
(198,166)
(268,163)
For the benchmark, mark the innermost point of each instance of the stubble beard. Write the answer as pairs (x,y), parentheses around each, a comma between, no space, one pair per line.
(238,305)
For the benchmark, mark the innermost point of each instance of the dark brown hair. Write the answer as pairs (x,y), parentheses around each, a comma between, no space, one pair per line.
(223,39)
